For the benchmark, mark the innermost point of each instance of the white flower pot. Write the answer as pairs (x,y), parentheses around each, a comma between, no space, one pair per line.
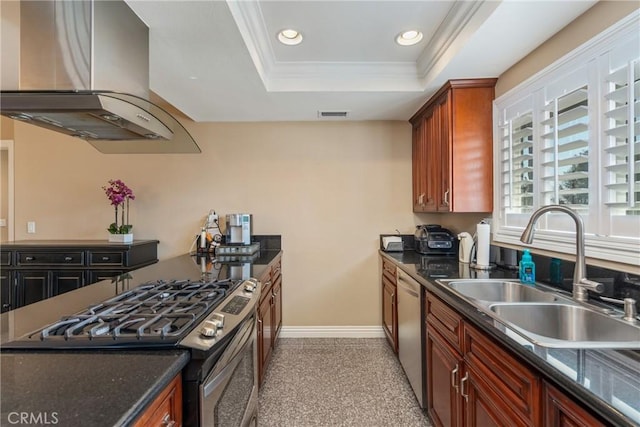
(121,238)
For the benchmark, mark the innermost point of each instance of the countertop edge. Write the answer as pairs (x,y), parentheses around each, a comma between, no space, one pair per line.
(596,405)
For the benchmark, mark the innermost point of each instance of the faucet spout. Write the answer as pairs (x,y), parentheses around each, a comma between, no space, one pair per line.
(580,282)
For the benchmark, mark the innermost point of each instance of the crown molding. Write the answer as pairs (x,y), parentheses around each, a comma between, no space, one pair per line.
(461,22)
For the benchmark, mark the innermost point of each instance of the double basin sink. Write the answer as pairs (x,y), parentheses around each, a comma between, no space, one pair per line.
(545,317)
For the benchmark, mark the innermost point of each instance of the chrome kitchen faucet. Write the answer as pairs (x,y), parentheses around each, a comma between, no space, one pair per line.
(580,282)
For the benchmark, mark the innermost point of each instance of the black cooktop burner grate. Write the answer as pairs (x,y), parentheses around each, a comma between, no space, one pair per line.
(165,310)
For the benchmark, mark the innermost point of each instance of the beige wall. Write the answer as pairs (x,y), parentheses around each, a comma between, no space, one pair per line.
(595,20)
(328,188)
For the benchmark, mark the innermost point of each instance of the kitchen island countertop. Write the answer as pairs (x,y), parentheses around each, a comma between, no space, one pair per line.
(97,387)
(83,388)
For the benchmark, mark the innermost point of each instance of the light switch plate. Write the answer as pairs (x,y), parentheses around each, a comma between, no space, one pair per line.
(3,222)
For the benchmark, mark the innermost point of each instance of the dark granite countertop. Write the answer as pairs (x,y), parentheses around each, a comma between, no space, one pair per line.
(20,244)
(19,322)
(98,388)
(84,388)
(606,381)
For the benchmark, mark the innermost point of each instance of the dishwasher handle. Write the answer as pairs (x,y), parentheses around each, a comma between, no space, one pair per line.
(408,285)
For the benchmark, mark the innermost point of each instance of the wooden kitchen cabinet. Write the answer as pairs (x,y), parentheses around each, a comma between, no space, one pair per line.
(390,303)
(30,287)
(443,376)
(6,282)
(166,409)
(516,387)
(561,411)
(453,149)
(472,381)
(6,290)
(269,314)
(36,270)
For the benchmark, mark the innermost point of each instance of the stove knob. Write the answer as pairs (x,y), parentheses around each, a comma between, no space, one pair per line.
(218,320)
(209,329)
(250,285)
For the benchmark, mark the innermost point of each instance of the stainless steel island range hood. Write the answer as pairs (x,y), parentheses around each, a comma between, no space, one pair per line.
(84,72)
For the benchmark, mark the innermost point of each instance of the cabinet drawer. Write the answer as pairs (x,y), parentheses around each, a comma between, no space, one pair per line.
(107,258)
(505,374)
(267,283)
(389,270)
(276,271)
(50,258)
(444,320)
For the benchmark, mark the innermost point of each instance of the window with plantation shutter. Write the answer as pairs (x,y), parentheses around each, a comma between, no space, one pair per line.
(516,162)
(571,135)
(621,139)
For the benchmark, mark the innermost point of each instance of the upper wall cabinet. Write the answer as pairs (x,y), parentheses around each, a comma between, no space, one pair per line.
(452,149)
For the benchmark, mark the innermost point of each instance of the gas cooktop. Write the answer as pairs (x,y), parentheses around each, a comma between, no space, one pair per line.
(156,313)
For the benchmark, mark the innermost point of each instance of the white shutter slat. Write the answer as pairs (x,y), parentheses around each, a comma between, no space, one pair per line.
(575,160)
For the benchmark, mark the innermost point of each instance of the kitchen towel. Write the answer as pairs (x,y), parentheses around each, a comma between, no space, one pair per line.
(483,231)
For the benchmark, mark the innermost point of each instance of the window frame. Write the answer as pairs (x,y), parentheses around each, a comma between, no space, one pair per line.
(528,98)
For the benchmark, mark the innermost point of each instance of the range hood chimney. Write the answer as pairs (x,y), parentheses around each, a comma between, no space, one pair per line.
(84,72)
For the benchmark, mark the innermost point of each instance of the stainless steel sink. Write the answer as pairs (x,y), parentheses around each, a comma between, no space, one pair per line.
(563,325)
(499,291)
(545,317)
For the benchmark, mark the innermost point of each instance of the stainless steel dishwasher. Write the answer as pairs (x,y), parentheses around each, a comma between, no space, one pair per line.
(410,333)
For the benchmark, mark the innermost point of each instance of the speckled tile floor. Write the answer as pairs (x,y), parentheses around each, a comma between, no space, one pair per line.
(337,382)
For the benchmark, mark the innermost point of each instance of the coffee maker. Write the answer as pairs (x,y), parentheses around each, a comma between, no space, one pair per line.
(238,229)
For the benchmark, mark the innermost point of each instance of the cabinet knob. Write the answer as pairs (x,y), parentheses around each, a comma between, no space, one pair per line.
(30,258)
(6,305)
(68,258)
(105,258)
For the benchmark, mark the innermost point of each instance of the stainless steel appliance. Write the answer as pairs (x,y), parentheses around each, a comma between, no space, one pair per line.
(85,72)
(410,333)
(432,239)
(215,320)
(239,229)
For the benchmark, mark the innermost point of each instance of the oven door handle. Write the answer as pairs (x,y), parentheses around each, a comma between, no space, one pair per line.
(221,376)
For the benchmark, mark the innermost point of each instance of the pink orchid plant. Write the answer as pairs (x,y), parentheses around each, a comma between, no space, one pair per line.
(119,195)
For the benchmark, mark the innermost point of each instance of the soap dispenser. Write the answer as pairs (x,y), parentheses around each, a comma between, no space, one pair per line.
(527,270)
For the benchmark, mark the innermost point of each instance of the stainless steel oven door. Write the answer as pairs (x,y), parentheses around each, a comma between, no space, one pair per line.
(229,394)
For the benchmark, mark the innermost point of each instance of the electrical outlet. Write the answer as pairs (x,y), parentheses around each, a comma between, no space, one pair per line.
(212,218)
(31,227)
(3,222)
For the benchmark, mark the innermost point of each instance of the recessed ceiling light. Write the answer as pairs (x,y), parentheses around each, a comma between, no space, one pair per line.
(290,37)
(409,38)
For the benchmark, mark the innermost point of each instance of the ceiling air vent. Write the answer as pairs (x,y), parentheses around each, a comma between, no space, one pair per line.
(333,114)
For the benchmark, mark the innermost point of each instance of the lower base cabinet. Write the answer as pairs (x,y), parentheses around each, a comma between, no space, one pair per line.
(269,314)
(443,392)
(473,381)
(389,303)
(561,411)
(166,409)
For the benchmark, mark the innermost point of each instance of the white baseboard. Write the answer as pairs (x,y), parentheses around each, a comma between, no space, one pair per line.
(331,332)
